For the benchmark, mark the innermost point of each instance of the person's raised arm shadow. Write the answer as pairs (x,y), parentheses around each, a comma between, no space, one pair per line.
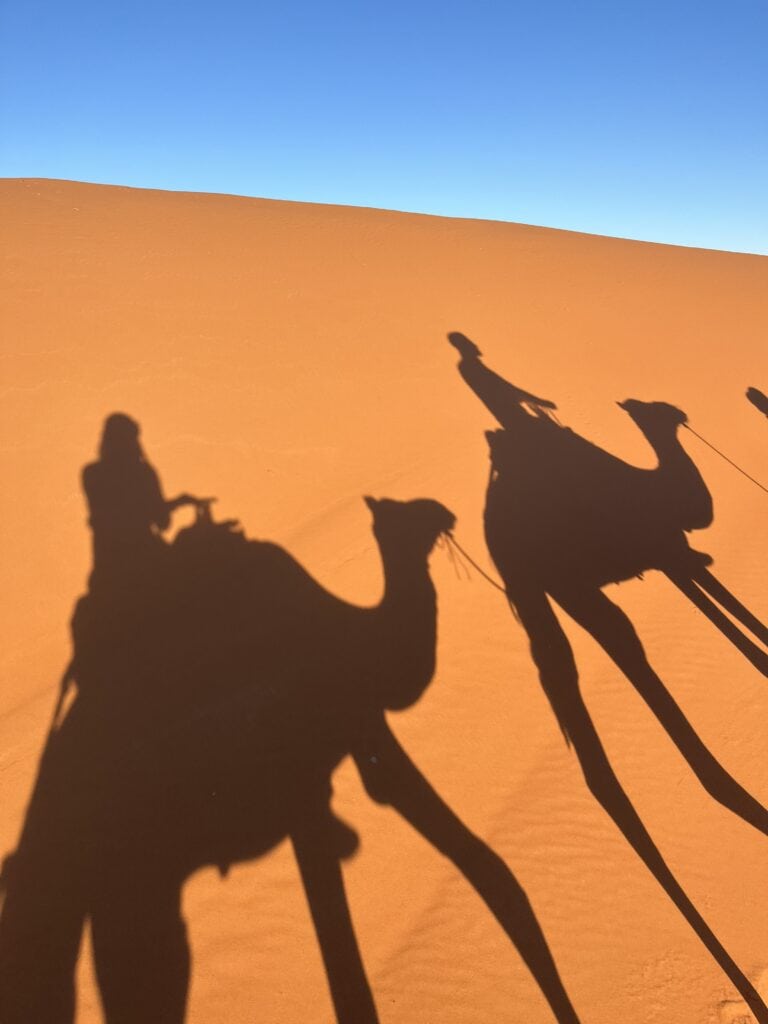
(390,777)
(503,400)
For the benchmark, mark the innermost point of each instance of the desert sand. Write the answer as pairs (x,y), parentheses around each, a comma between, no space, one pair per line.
(290,359)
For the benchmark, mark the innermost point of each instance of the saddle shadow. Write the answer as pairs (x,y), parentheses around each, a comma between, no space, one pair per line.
(218,687)
(563,518)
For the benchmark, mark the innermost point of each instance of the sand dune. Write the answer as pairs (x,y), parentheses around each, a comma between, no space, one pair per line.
(289,359)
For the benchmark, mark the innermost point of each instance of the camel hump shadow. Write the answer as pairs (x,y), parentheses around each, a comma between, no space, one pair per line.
(239,673)
(566,512)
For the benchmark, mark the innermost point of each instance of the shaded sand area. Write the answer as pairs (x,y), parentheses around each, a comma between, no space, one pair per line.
(289,359)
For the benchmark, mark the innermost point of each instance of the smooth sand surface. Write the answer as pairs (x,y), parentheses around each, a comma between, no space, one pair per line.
(290,358)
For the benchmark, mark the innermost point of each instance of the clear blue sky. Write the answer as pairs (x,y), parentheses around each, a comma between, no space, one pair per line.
(647,120)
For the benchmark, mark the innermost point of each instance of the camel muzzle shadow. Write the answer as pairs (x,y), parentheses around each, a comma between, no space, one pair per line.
(564,518)
(217,691)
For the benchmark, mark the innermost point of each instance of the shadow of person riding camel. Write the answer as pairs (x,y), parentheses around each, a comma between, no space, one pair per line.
(218,686)
(564,518)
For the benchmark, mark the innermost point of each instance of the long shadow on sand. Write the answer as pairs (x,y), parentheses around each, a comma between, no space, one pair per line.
(218,686)
(563,518)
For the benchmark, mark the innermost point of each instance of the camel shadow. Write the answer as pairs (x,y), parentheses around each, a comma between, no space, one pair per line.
(218,688)
(563,518)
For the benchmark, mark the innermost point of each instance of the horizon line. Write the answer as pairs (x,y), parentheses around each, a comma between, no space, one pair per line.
(382,209)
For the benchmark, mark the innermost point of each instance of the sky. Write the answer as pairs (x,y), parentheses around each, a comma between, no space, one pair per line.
(643,120)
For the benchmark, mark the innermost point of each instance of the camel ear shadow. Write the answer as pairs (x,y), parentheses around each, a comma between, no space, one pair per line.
(370,502)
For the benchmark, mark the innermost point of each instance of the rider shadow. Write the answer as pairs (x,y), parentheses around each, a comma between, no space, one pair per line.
(563,519)
(218,686)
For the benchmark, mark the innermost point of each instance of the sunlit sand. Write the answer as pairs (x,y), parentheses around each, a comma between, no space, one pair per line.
(291,358)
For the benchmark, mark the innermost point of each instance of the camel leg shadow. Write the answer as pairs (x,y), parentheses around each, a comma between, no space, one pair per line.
(140,949)
(41,926)
(700,590)
(554,659)
(613,630)
(390,777)
(320,869)
(732,604)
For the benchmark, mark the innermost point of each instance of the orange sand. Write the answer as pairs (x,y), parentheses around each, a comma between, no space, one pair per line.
(290,358)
